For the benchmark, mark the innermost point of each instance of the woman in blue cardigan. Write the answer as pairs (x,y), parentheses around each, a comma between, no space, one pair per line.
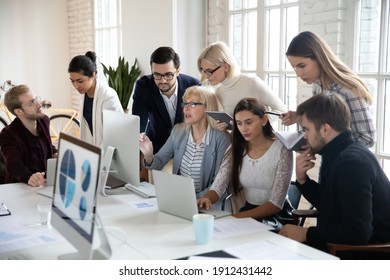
(196,147)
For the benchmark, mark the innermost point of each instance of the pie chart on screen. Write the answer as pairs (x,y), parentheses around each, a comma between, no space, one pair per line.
(83,208)
(67,178)
(85,175)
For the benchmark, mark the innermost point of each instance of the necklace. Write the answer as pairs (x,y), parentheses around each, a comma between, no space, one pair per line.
(253,161)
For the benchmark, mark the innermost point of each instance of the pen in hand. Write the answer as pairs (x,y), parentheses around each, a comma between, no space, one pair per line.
(146,127)
(144,133)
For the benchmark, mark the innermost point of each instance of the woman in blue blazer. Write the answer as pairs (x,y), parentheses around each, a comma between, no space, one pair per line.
(196,146)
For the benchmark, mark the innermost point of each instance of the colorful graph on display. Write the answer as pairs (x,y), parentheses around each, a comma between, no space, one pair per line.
(67,178)
(68,185)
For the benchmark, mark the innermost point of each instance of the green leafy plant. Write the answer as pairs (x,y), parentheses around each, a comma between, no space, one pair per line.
(122,79)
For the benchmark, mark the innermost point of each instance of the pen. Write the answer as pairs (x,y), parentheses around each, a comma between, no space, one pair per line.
(272,113)
(146,127)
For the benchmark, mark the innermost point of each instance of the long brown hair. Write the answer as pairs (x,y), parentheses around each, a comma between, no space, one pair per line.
(309,45)
(239,144)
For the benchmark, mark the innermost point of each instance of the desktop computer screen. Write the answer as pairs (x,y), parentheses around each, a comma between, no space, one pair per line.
(75,193)
(121,134)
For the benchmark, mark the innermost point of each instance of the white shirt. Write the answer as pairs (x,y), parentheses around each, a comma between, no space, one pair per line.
(171,104)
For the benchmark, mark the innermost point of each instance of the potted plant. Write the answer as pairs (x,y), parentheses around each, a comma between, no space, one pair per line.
(122,79)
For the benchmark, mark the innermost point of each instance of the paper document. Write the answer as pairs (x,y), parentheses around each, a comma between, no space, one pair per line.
(22,237)
(263,250)
(224,228)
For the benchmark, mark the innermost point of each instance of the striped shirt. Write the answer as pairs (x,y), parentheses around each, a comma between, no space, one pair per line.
(192,159)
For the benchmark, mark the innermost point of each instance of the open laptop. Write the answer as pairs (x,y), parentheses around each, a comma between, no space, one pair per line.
(50,177)
(176,196)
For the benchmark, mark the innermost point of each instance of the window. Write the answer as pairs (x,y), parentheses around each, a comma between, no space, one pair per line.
(108,31)
(242,33)
(259,45)
(373,65)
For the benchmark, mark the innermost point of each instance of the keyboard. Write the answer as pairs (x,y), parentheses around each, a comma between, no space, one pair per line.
(13,257)
(144,189)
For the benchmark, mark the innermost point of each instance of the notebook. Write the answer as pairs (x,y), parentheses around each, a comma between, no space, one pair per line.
(292,140)
(176,196)
(50,177)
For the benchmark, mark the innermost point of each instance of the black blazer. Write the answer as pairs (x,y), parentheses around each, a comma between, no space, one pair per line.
(148,103)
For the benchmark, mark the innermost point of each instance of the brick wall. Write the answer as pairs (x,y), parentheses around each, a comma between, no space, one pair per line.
(81,34)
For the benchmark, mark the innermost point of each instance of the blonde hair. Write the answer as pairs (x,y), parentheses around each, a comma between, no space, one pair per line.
(205,95)
(218,54)
(11,98)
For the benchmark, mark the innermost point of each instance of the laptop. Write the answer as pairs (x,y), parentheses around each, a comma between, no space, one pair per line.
(50,177)
(176,196)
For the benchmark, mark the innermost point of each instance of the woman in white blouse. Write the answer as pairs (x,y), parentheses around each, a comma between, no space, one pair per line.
(257,162)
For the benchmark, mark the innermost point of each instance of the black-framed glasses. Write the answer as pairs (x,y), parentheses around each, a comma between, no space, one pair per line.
(167,76)
(191,104)
(209,72)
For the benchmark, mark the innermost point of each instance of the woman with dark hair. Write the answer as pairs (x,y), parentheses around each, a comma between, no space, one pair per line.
(315,63)
(257,162)
(87,77)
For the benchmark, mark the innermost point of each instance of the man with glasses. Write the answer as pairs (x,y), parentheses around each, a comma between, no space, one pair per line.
(25,143)
(157,97)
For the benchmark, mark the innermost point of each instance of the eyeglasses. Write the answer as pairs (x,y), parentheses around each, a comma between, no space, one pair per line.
(167,76)
(209,72)
(34,102)
(191,104)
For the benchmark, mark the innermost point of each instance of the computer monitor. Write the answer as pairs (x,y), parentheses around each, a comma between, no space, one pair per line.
(75,198)
(121,148)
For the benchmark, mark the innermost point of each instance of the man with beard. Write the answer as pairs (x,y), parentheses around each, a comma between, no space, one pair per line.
(157,97)
(353,195)
(25,143)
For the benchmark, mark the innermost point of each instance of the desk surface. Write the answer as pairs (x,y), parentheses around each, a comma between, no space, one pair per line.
(148,235)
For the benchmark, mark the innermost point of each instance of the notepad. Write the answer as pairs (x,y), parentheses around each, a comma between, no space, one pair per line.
(222,117)
(292,140)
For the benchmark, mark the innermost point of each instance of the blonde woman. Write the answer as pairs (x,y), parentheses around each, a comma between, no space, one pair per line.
(218,66)
(196,146)
(315,63)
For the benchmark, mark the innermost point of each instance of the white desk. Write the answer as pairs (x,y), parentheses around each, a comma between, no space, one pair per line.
(150,235)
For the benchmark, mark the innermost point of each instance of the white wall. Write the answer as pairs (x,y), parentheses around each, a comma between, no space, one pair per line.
(34,48)
(149,24)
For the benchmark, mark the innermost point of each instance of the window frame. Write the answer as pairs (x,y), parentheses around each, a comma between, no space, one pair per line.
(117,27)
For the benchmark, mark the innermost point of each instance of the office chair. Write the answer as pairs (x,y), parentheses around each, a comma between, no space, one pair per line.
(299,216)
(236,201)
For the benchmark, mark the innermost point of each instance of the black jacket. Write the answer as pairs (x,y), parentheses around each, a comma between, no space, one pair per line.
(148,103)
(353,197)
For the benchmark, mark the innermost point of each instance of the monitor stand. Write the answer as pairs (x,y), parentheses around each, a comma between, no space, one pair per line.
(116,184)
(103,252)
